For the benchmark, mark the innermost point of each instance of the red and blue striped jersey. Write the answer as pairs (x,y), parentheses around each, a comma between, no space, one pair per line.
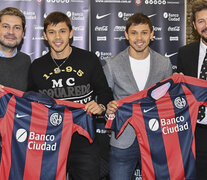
(36,133)
(164,117)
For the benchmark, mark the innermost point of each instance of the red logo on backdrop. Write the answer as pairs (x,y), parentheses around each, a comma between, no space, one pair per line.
(38,1)
(138,2)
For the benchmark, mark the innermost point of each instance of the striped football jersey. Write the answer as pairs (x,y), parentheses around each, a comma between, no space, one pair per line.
(36,133)
(164,117)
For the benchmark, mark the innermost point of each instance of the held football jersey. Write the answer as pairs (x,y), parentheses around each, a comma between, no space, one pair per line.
(164,118)
(36,134)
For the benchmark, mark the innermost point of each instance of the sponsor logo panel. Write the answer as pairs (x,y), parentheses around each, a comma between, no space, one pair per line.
(101,38)
(75,16)
(119,28)
(103,55)
(30,15)
(172,17)
(155,2)
(101,28)
(124,16)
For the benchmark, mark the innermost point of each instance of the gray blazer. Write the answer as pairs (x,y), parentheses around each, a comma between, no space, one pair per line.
(121,80)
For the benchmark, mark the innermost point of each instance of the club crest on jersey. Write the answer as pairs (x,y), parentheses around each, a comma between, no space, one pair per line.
(56,119)
(180,102)
(111,117)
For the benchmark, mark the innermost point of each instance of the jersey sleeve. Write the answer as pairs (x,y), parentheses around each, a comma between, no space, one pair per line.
(83,123)
(4,101)
(198,87)
(120,119)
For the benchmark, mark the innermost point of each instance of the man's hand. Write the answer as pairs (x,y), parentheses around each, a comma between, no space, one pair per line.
(1,88)
(111,107)
(178,73)
(94,108)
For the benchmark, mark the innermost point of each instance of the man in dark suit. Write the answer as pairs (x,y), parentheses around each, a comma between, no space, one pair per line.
(189,62)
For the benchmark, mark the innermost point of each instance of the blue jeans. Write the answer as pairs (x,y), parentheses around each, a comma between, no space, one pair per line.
(122,162)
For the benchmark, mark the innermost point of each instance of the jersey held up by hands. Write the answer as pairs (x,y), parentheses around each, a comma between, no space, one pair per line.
(36,133)
(164,117)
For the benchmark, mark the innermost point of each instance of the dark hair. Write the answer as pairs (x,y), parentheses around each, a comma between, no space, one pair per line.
(138,18)
(55,18)
(13,12)
(197,6)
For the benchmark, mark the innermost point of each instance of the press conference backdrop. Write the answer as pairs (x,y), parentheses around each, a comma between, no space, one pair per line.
(107,24)
(99,26)
(109,18)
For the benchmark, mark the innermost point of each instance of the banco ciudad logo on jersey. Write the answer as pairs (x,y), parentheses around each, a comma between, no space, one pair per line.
(169,125)
(56,119)
(37,141)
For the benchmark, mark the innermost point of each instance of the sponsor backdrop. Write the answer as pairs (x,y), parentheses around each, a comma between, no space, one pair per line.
(109,18)
(106,24)
(99,26)
(36,11)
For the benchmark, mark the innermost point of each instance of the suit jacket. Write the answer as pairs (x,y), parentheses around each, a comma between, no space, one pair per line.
(187,60)
(187,63)
(121,80)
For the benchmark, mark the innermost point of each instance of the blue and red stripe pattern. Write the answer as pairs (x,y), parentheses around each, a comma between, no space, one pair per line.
(164,120)
(36,133)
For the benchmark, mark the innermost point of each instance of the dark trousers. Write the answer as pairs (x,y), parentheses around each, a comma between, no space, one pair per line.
(104,148)
(201,151)
(84,163)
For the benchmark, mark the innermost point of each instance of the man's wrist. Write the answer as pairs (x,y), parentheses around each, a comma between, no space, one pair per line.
(103,108)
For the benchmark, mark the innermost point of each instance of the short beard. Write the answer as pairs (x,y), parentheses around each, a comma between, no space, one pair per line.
(8,46)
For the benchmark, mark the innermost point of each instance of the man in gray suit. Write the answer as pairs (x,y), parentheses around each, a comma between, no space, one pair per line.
(132,70)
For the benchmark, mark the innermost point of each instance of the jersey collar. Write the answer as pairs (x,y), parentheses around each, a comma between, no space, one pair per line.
(40,98)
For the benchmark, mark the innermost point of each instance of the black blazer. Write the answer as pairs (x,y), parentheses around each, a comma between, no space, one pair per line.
(187,60)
